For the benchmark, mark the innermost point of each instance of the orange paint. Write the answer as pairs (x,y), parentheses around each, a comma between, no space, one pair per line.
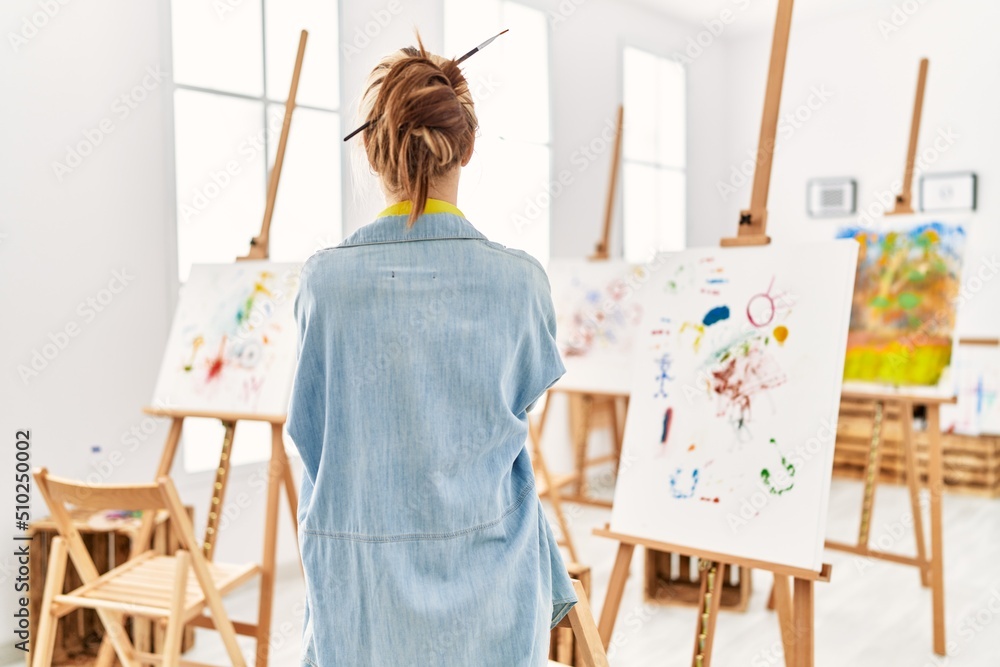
(781,333)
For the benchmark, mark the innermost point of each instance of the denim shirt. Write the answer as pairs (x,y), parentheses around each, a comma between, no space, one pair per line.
(422,536)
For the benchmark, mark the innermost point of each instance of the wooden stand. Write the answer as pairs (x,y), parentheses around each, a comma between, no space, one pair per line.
(259,245)
(279,472)
(931,566)
(279,475)
(583,405)
(795,610)
(904,200)
(793,601)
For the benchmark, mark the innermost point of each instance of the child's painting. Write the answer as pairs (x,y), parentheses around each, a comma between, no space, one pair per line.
(736,384)
(904,303)
(977,386)
(596,315)
(232,343)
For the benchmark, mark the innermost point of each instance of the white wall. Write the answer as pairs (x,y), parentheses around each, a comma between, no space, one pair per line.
(869,69)
(62,242)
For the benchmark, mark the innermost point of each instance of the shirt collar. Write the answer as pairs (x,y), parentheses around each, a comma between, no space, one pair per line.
(440,220)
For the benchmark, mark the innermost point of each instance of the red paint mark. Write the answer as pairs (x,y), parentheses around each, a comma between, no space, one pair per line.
(713,292)
(215,365)
(743,375)
(709,500)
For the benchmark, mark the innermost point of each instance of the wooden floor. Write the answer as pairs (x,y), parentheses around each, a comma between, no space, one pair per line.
(872,614)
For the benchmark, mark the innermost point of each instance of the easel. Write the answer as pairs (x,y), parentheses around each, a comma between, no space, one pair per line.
(794,601)
(279,470)
(582,405)
(931,565)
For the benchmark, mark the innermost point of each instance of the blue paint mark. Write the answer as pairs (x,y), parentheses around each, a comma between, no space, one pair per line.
(717,314)
(718,281)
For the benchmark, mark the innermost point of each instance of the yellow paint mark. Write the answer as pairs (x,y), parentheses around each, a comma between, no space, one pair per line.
(781,333)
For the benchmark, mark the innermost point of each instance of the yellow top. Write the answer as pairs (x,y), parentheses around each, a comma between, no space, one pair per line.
(433,206)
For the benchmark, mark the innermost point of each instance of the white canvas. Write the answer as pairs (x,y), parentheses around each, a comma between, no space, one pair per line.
(597,313)
(232,343)
(735,392)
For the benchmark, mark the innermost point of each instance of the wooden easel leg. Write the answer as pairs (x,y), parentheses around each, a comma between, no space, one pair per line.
(274,481)
(616,434)
(219,490)
(616,586)
(552,490)
(581,409)
(871,475)
(802,607)
(170,448)
(709,600)
(935,480)
(291,494)
(781,594)
(913,483)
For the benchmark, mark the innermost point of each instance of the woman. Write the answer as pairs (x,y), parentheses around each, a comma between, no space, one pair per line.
(422,346)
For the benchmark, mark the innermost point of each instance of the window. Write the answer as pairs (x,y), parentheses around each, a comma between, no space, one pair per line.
(505,189)
(232,67)
(654,148)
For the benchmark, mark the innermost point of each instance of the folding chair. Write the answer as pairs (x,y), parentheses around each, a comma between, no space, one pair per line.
(581,620)
(148,585)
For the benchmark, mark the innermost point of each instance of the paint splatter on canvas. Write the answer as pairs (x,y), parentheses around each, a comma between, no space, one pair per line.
(596,317)
(735,392)
(903,316)
(977,385)
(232,343)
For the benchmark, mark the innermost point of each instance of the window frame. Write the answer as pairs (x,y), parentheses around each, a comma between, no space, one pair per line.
(623,46)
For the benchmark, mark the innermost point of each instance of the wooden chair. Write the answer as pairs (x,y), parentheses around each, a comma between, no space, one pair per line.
(581,619)
(148,585)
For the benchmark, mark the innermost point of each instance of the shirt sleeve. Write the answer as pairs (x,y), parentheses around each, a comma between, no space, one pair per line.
(307,405)
(544,365)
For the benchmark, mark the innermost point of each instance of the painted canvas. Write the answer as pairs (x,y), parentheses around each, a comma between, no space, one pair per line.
(903,319)
(977,386)
(596,317)
(735,393)
(232,342)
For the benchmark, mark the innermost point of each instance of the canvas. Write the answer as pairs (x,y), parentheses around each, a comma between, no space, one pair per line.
(903,319)
(232,343)
(735,393)
(596,315)
(977,386)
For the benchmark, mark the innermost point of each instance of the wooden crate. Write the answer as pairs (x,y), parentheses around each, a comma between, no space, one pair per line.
(971,463)
(562,643)
(79,633)
(672,579)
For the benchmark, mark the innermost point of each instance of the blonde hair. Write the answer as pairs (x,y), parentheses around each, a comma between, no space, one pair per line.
(423,122)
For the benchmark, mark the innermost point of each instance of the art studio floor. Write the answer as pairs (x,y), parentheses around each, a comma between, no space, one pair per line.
(872,614)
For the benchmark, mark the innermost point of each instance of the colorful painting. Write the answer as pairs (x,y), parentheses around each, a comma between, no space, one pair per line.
(597,313)
(736,382)
(904,314)
(232,343)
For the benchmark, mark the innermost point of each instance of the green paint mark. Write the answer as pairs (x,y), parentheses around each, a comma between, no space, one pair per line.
(909,300)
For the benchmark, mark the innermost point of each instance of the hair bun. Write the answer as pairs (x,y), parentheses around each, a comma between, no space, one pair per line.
(425,121)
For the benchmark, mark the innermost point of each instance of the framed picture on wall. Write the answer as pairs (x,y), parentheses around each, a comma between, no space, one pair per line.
(948,192)
(831,197)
